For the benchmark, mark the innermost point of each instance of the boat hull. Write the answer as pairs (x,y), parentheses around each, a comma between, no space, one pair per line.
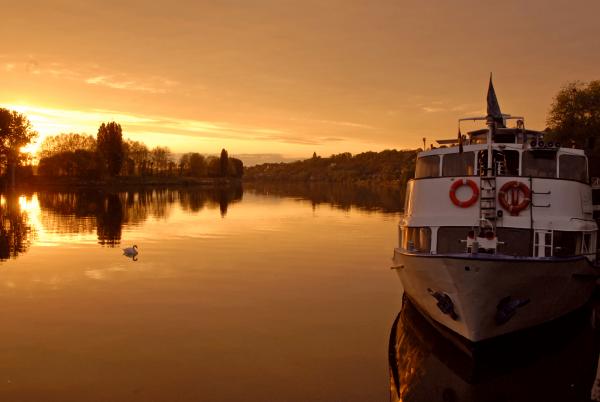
(481,297)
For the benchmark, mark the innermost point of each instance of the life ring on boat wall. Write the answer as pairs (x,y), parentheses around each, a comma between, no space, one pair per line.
(464,182)
(513,205)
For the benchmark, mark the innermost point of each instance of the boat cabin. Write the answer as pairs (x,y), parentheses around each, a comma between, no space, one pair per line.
(545,211)
(533,158)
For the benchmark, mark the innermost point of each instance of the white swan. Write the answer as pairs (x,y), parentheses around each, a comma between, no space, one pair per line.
(130,251)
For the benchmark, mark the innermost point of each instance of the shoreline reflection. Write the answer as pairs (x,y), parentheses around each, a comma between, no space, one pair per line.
(379,198)
(554,362)
(94,212)
(16,232)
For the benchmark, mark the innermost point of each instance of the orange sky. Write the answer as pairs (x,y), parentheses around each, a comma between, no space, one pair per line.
(288,77)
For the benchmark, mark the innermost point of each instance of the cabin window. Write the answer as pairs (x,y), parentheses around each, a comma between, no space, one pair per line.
(428,166)
(596,196)
(566,244)
(506,136)
(542,243)
(416,239)
(573,167)
(539,164)
(596,202)
(460,164)
(451,239)
(504,163)
(515,242)
(587,244)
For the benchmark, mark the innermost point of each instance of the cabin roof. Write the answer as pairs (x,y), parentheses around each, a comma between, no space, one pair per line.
(495,146)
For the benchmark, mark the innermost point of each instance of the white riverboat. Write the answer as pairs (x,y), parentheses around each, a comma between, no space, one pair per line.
(497,233)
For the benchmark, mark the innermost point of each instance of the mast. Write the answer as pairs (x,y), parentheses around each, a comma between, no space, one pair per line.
(491,124)
(494,119)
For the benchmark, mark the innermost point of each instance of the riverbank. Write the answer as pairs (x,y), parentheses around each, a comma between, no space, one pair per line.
(122,182)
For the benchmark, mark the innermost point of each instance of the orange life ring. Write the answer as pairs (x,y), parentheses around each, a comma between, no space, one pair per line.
(514,206)
(464,182)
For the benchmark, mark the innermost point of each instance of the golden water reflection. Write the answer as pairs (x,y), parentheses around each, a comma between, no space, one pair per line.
(17,229)
(54,217)
(234,297)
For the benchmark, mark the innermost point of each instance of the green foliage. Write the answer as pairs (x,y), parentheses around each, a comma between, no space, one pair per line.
(70,142)
(110,147)
(160,158)
(79,163)
(213,166)
(385,166)
(15,132)
(224,164)
(197,165)
(137,156)
(574,119)
(192,164)
(236,167)
(575,113)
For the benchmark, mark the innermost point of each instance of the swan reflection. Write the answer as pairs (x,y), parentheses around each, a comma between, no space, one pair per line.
(554,362)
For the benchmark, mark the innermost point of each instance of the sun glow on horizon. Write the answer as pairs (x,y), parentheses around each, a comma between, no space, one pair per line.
(180,134)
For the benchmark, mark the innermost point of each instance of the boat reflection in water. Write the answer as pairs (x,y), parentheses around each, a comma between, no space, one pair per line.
(553,362)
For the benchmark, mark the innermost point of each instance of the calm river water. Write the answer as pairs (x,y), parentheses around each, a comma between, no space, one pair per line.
(275,293)
(234,296)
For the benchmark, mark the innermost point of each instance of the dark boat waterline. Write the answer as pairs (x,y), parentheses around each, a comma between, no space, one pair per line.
(555,361)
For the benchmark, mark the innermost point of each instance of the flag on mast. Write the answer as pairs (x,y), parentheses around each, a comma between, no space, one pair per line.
(493,107)
(460,142)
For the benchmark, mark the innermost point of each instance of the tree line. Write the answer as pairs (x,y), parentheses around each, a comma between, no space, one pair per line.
(109,155)
(573,119)
(384,166)
(15,132)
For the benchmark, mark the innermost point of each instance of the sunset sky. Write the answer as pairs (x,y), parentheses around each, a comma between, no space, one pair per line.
(287,77)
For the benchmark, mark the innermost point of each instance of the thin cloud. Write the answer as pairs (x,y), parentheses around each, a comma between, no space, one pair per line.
(51,121)
(430,109)
(336,123)
(91,74)
(346,124)
(154,85)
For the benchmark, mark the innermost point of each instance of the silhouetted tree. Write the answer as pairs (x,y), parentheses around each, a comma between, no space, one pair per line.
(79,163)
(15,132)
(184,164)
(138,152)
(575,113)
(110,147)
(574,117)
(160,157)
(385,166)
(197,165)
(71,142)
(236,167)
(224,163)
(213,166)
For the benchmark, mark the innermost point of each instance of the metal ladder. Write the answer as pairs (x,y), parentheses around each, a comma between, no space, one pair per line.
(487,202)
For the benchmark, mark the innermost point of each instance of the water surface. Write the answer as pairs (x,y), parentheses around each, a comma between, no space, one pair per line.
(234,296)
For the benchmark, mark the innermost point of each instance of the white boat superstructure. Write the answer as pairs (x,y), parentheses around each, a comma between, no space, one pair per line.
(497,233)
